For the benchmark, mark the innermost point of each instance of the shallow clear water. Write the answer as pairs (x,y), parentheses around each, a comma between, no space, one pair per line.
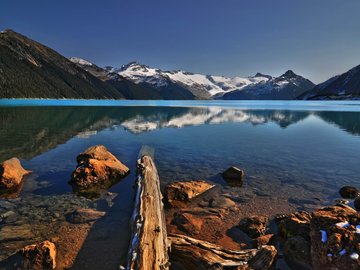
(300,151)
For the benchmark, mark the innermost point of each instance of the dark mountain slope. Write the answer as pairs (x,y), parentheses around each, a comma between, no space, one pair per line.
(344,86)
(29,69)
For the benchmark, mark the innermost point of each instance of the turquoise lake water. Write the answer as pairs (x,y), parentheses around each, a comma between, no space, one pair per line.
(301,151)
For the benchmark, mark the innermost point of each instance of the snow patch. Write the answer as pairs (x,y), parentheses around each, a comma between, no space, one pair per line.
(80,61)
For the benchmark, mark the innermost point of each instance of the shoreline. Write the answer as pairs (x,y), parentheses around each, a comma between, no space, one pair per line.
(291,105)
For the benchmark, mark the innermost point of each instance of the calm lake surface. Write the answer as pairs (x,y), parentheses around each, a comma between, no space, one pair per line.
(301,152)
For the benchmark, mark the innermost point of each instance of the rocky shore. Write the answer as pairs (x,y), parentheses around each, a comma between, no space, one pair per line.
(327,238)
(49,232)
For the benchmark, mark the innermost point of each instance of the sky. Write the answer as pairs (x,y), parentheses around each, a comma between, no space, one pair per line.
(316,39)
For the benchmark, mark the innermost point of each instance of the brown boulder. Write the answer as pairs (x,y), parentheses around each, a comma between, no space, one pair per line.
(349,192)
(335,238)
(40,256)
(263,240)
(11,174)
(357,203)
(297,252)
(185,191)
(97,167)
(254,226)
(296,223)
(233,175)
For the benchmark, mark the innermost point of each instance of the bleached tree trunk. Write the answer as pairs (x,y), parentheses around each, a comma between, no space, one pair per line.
(149,246)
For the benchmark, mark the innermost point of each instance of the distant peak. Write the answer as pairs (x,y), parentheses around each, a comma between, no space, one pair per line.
(133,63)
(260,75)
(10,31)
(257,75)
(289,74)
(6,31)
(130,64)
(109,68)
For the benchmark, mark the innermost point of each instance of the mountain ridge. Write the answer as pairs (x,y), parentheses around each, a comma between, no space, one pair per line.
(343,86)
(214,86)
(29,69)
(32,70)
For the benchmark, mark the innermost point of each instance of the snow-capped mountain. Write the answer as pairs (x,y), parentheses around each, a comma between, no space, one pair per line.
(344,86)
(260,86)
(212,85)
(126,88)
(285,87)
(186,85)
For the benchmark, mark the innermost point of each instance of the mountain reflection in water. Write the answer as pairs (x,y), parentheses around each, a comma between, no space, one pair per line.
(29,131)
(293,159)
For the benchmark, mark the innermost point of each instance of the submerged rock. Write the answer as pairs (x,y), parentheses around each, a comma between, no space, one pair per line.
(254,226)
(85,215)
(185,191)
(341,224)
(349,192)
(97,167)
(233,176)
(221,203)
(11,174)
(10,233)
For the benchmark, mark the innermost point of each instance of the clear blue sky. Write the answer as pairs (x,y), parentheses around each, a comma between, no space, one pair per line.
(315,38)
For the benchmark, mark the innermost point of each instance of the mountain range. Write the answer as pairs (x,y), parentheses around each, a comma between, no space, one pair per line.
(198,86)
(29,69)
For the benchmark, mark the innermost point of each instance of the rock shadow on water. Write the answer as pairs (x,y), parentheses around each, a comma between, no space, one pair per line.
(219,179)
(96,191)
(106,244)
(11,193)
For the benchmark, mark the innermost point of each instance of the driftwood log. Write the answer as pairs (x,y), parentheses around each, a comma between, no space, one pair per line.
(149,245)
(189,253)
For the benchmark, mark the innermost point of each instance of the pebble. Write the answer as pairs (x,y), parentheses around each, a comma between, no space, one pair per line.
(342,224)
(342,201)
(354,256)
(342,252)
(7,205)
(7,214)
(323,236)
